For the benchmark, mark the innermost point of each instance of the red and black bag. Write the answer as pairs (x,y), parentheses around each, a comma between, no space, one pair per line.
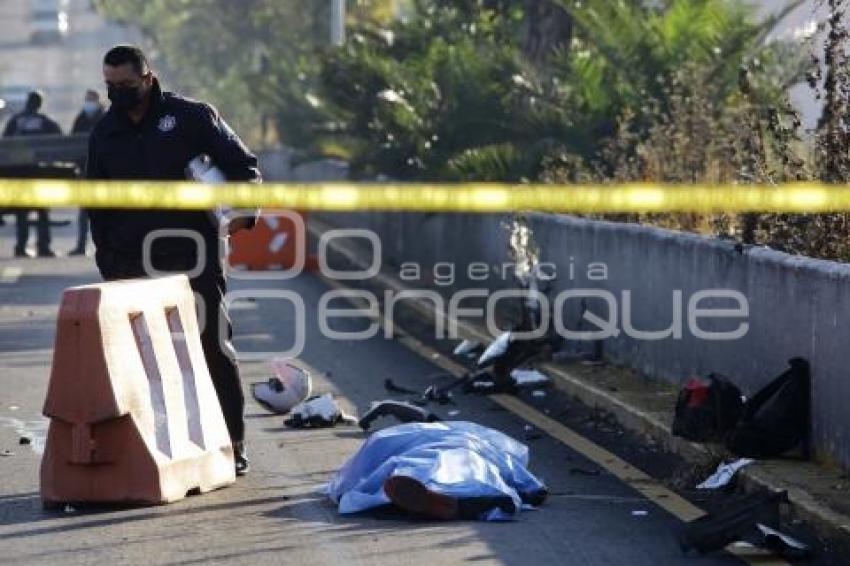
(707,409)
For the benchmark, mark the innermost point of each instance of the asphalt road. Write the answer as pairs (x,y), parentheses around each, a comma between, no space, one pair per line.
(275,514)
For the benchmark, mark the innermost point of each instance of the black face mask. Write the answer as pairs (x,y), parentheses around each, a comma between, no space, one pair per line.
(125,98)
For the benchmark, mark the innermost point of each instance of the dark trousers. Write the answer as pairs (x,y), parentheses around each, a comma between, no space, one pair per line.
(23,229)
(210,285)
(82,229)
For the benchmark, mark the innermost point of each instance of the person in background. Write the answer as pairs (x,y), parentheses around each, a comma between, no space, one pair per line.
(85,122)
(31,122)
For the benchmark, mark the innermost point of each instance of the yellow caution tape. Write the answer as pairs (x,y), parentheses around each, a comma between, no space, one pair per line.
(467,197)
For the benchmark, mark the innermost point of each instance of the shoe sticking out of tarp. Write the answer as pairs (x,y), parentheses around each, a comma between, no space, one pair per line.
(413,497)
(289,386)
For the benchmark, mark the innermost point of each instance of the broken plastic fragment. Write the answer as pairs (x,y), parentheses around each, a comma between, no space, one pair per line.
(774,539)
(724,474)
(290,385)
(405,412)
(467,348)
(495,350)
(392,387)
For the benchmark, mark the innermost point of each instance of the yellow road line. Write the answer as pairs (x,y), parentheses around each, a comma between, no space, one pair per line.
(466,197)
(649,487)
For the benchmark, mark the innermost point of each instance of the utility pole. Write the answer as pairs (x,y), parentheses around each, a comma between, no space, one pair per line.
(337,22)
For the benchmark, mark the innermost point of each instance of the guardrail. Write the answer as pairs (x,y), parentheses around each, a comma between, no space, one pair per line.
(31,150)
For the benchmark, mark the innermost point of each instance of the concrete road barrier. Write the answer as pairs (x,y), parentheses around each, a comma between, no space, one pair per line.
(133,413)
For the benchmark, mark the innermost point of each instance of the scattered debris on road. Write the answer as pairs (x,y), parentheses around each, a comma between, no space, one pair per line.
(391,387)
(783,544)
(734,521)
(24,441)
(724,474)
(524,378)
(469,349)
(319,412)
(404,412)
(289,386)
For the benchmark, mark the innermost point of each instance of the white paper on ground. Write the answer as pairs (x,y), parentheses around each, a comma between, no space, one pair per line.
(724,474)
(527,377)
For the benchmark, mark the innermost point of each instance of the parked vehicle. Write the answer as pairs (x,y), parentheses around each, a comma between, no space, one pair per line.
(49,21)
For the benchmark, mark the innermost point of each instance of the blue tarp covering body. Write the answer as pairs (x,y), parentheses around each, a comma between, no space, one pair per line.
(458,459)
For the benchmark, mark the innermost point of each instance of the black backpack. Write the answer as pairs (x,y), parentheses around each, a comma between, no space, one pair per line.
(777,418)
(707,409)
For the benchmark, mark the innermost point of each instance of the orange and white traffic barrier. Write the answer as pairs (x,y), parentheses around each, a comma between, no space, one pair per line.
(133,413)
(278,242)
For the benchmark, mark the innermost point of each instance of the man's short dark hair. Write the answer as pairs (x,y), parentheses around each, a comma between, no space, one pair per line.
(34,101)
(127,54)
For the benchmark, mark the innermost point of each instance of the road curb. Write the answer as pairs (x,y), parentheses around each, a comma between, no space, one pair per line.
(827,523)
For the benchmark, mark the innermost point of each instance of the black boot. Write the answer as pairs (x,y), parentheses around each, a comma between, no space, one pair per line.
(243,465)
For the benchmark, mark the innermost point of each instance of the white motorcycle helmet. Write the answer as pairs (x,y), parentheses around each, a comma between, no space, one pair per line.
(289,386)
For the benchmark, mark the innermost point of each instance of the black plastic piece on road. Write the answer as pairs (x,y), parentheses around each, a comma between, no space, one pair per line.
(404,412)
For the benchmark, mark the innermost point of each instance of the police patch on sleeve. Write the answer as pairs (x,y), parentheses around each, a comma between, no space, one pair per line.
(167,123)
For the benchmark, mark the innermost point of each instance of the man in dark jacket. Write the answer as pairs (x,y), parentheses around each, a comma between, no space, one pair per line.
(31,122)
(90,114)
(84,123)
(149,134)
